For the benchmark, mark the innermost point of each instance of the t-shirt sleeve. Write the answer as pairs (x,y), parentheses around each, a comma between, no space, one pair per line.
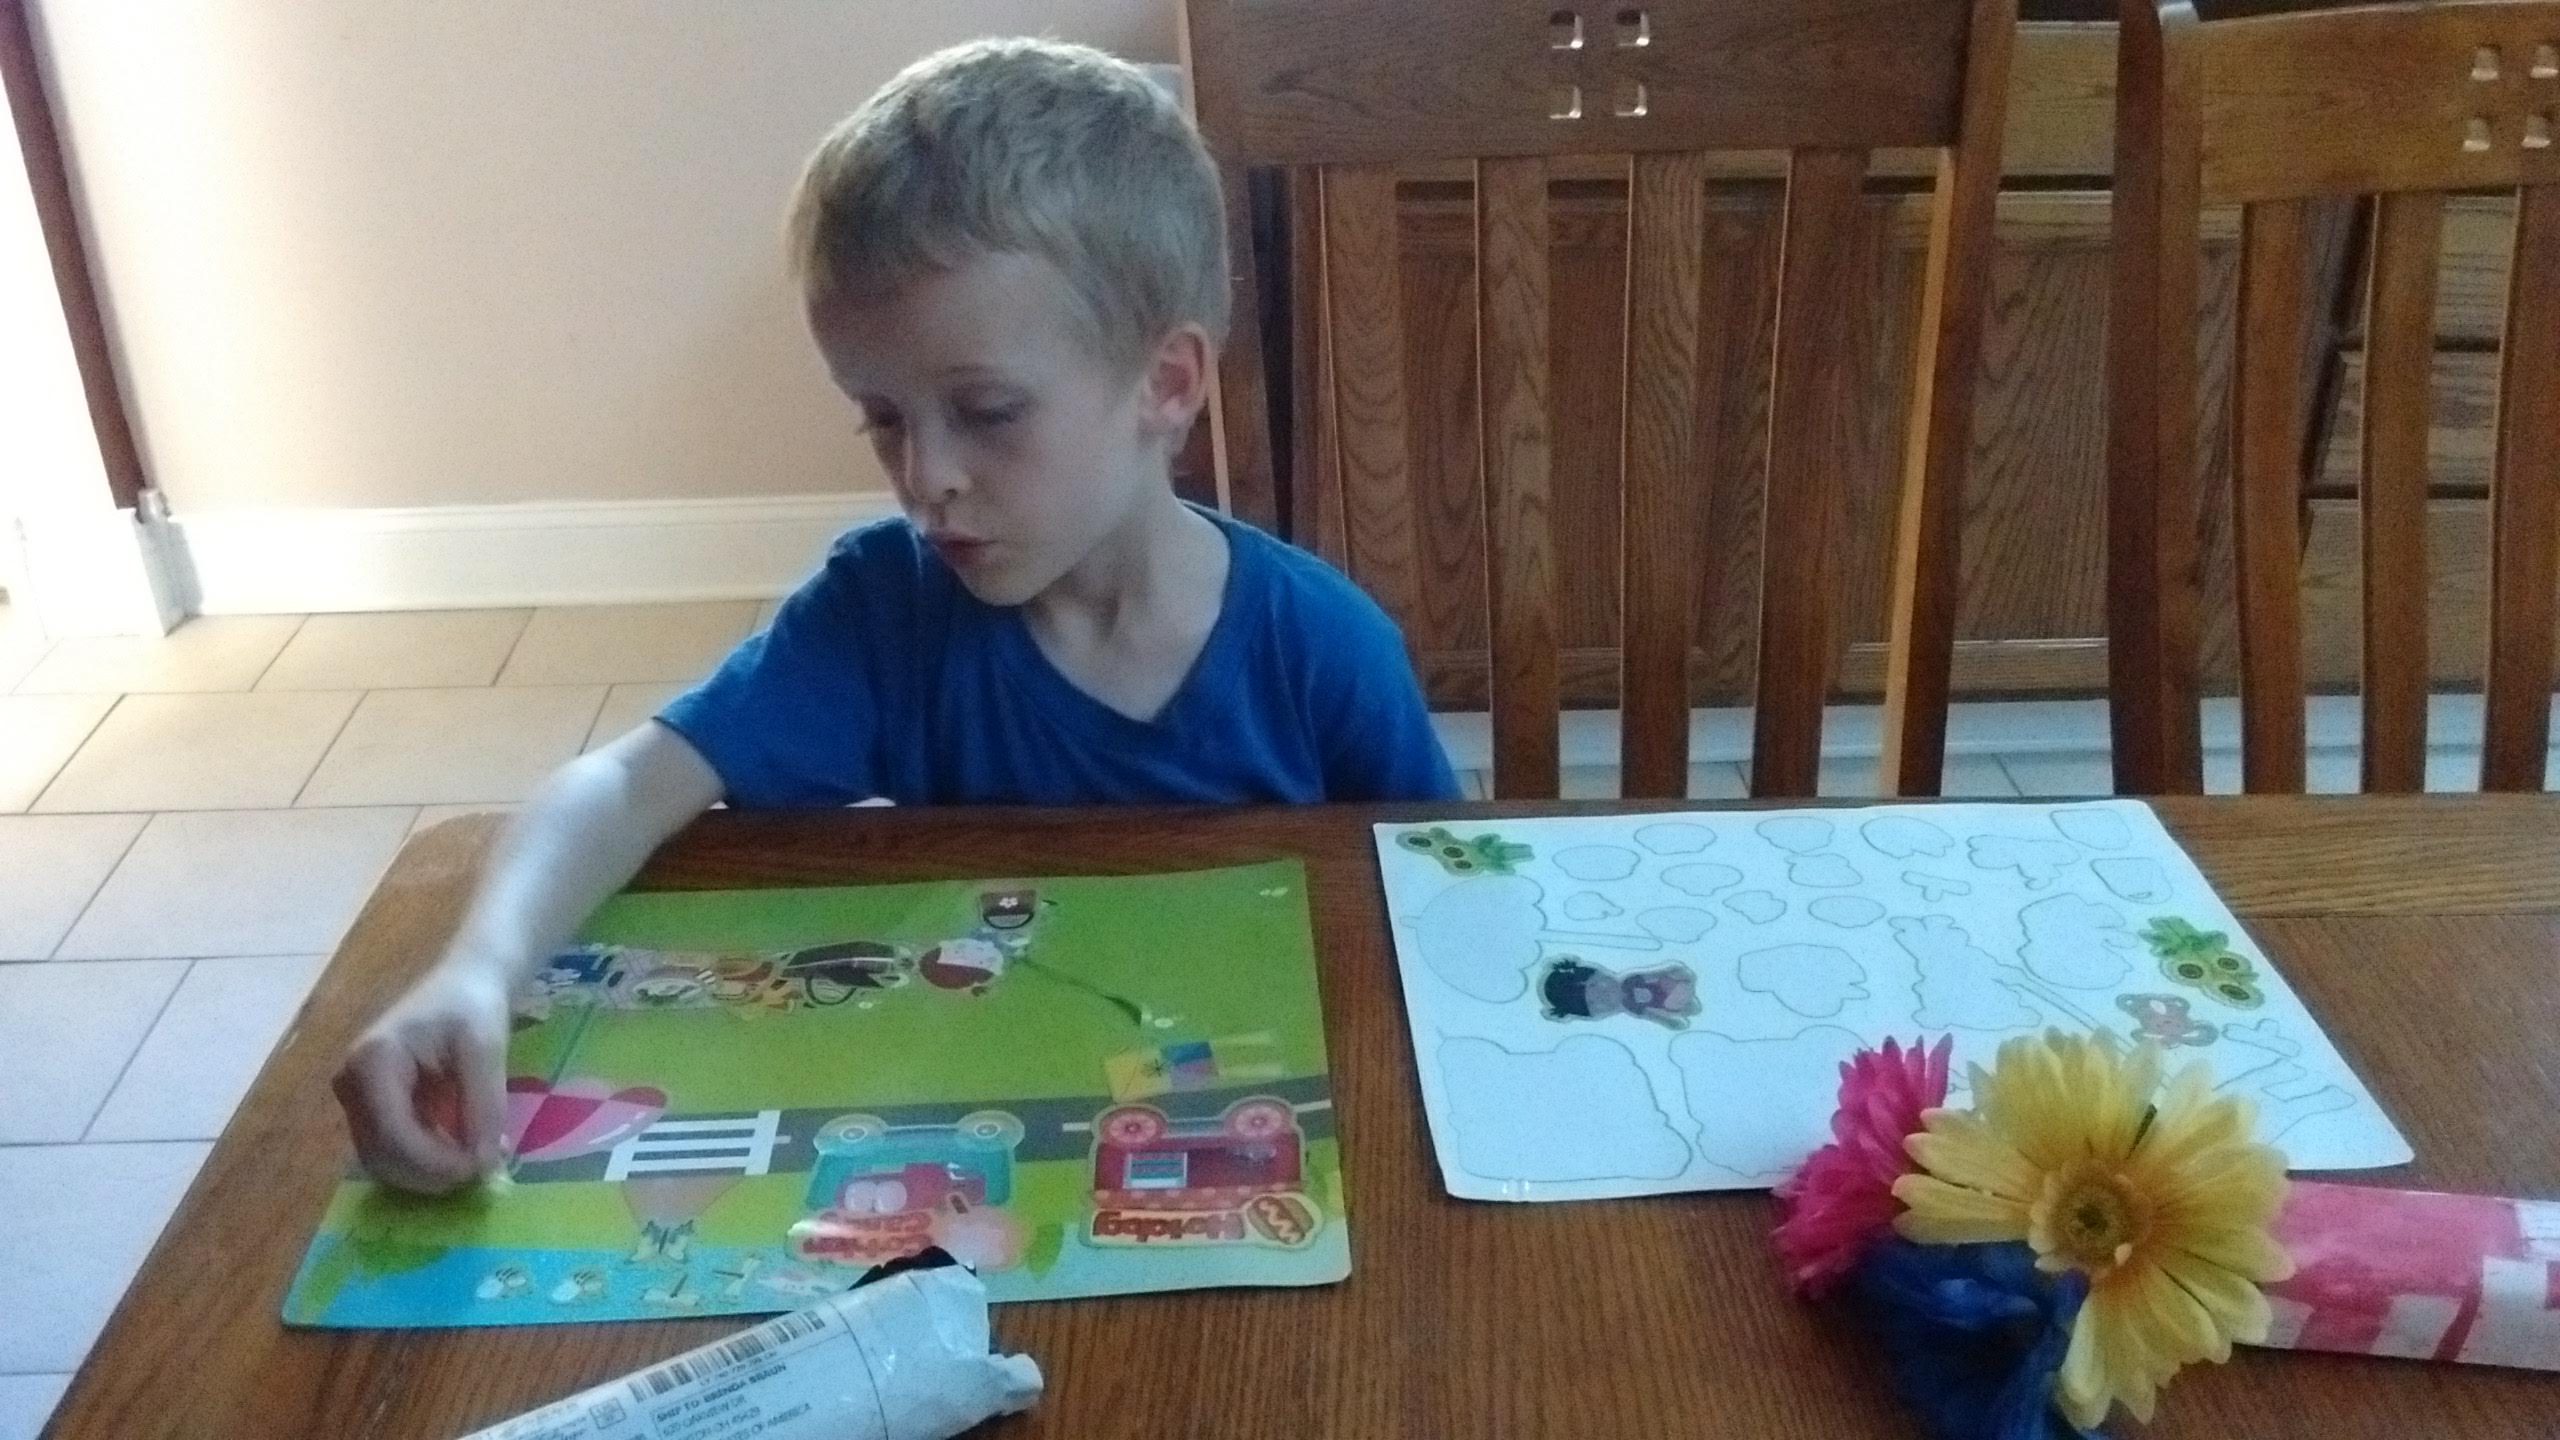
(1374,728)
(791,718)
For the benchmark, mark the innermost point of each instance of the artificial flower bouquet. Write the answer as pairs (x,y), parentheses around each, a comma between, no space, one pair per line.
(2064,1245)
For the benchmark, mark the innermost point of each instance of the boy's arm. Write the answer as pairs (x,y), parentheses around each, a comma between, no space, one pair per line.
(1378,740)
(424,1086)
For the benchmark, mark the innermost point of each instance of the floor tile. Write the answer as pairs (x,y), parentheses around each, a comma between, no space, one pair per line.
(240,882)
(2062,775)
(2328,771)
(401,651)
(37,734)
(21,646)
(2013,727)
(626,706)
(1718,781)
(66,1032)
(207,1046)
(49,867)
(430,816)
(1589,782)
(627,644)
(1466,737)
(213,652)
(27,1401)
(201,752)
(443,747)
(2457,768)
(1966,777)
(81,1220)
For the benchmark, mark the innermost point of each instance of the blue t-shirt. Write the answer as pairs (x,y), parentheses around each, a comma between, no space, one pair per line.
(884,677)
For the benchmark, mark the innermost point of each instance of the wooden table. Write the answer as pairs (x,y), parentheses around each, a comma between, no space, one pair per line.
(2424,932)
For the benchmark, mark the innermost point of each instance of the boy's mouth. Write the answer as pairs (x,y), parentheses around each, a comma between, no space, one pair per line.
(958,550)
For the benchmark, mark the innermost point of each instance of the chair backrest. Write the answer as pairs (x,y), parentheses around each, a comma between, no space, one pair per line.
(2400,103)
(1355,88)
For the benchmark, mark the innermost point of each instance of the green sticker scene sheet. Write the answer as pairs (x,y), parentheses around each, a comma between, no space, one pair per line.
(736,1102)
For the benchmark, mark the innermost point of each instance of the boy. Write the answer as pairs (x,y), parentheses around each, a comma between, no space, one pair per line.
(1014,266)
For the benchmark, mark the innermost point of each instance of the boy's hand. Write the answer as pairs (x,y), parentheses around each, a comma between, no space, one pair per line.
(424,1087)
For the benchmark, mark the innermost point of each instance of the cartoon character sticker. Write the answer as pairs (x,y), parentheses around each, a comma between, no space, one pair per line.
(1574,989)
(582,1286)
(1487,854)
(2164,1020)
(972,965)
(504,1283)
(2204,960)
(1233,1178)
(833,974)
(1008,910)
(881,1192)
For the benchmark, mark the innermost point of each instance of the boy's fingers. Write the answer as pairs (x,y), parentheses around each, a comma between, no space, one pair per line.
(481,1067)
(387,1165)
(385,1079)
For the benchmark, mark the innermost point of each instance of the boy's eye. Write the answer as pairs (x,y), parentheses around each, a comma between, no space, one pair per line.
(874,420)
(974,417)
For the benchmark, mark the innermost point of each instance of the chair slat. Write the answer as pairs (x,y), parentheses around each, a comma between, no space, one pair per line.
(2524,505)
(2266,454)
(1928,558)
(1663,505)
(2153,498)
(1809,403)
(1315,470)
(2400,307)
(1511,374)
(1365,324)
(1240,421)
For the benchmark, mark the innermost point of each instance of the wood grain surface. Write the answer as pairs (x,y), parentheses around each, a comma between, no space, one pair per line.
(1664,504)
(1517,453)
(1928,534)
(2524,501)
(2376,98)
(1346,81)
(1813,399)
(2421,930)
(2267,400)
(2408,233)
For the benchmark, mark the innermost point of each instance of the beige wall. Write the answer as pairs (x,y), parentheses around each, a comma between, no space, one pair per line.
(458,252)
(48,451)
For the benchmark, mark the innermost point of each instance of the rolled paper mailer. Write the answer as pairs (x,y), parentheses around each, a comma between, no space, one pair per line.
(2419,1275)
(904,1355)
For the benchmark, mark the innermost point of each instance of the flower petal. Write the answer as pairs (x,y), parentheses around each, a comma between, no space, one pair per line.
(2238,1309)
(1961,1150)
(2252,1254)
(2082,1391)
(1942,1214)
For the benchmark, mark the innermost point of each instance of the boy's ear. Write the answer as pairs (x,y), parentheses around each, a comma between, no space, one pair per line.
(1176,385)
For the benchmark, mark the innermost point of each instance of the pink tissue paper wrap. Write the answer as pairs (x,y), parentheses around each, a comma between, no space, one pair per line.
(2419,1275)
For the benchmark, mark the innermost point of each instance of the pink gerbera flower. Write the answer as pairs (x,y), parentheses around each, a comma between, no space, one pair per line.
(1841,1201)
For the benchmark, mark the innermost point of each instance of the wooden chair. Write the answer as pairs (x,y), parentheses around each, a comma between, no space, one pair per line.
(1357,88)
(2400,102)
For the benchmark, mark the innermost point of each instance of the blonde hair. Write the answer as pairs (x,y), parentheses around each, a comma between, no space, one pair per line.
(1031,147)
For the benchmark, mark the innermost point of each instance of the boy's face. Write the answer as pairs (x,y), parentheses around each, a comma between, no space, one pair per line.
(1013,447)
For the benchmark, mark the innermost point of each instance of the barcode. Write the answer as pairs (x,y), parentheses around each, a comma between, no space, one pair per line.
(744,1349)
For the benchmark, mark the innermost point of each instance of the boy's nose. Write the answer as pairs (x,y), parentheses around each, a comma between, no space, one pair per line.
(933,474)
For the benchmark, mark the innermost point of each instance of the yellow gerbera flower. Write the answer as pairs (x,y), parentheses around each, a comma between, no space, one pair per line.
(2164,1207)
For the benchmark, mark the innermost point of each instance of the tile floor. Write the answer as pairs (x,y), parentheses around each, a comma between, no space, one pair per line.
(188,825)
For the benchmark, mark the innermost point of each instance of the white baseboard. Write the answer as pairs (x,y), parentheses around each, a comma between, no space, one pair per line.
(300,561)
(97,571)
(1986,727)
